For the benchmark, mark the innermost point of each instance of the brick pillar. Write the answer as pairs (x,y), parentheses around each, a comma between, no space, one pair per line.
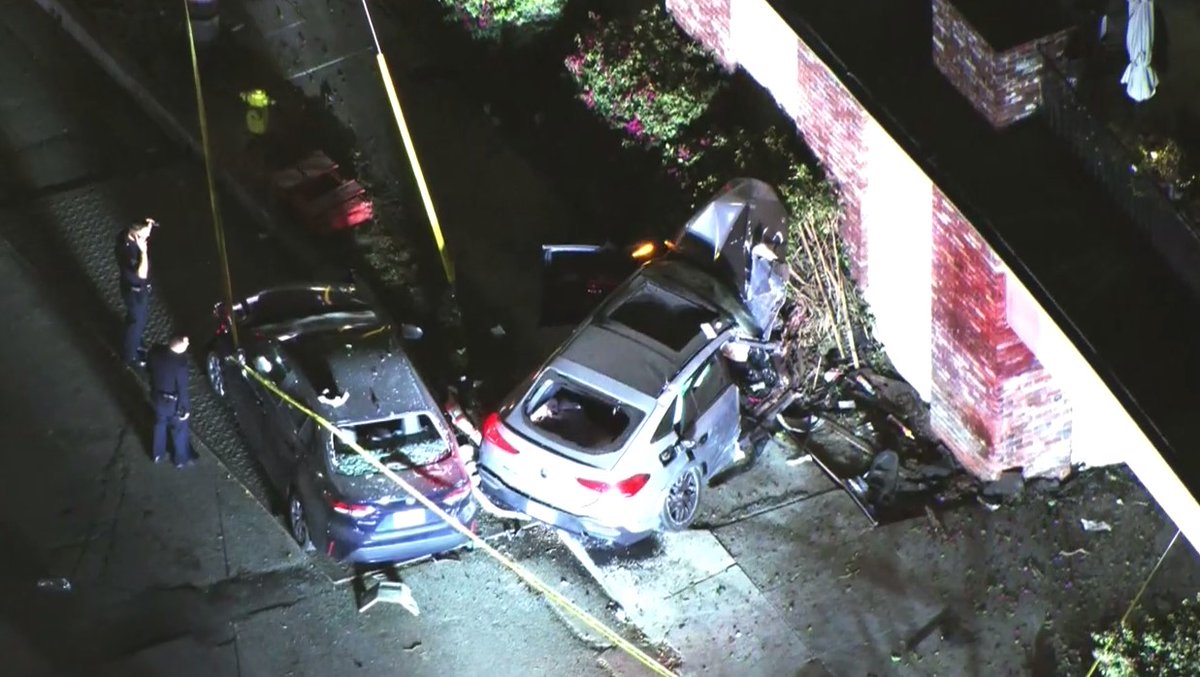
(993,404)
(1000,75)
(707,21)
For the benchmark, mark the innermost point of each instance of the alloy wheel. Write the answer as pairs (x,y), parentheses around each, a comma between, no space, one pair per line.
(299,524)
(683,500)
(216,376)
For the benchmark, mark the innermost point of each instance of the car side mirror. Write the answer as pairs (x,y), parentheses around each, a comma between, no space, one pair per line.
(411,332)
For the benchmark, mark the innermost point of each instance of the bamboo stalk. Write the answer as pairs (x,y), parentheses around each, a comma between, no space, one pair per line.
(841,288)
(824,292)
(828,282)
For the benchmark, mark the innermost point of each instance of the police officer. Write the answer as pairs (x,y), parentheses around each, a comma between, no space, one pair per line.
(169,393)
(133,260)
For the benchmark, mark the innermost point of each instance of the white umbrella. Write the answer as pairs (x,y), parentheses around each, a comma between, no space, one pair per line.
(1139,79)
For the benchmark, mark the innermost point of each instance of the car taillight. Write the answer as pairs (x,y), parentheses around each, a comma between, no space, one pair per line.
(492,432)
(594,485)
(626,487)
(458,494)
(355,510)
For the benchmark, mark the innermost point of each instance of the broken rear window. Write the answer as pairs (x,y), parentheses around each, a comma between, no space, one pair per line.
(665,317)
(282,305)
(400,443)
(582,417)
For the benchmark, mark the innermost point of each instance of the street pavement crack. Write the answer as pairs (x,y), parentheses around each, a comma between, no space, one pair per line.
(122,468)
(762,507)
(221,527)
(697,582)
(94,523)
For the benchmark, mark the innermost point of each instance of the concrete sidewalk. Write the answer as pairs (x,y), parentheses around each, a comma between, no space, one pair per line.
(142,546)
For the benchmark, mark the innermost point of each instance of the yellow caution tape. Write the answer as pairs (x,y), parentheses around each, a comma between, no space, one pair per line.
(532,580)
(1142,590)
(411,151)
(218,225)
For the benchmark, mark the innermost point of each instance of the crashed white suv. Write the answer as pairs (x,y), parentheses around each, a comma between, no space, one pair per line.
(617,433)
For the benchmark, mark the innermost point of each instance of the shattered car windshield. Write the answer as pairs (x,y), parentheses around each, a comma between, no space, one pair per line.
(399,443)
(585,419)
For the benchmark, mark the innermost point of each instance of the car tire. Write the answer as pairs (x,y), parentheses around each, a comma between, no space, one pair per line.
(297,520)
(216,375)
(682,502)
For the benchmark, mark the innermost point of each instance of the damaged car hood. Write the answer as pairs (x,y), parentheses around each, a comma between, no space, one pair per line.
(740,237)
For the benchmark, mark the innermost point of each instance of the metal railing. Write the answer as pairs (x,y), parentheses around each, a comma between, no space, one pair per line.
(1172,233)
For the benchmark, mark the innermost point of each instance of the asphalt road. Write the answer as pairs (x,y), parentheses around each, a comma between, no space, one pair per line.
(80,161)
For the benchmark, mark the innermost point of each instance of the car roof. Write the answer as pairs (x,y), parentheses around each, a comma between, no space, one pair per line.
(367,363)
(643,335)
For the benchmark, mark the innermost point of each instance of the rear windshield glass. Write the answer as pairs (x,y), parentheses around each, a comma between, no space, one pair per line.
(400,443)
(669,319)
(580,416)
(282,305)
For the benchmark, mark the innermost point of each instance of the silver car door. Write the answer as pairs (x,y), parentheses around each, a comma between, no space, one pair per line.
(711,419)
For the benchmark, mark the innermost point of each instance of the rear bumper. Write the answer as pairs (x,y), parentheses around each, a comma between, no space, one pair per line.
(352,546)
(506,498)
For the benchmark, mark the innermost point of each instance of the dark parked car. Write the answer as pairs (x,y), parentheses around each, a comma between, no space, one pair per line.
(330,350)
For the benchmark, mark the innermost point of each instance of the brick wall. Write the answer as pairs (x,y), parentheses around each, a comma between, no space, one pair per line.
(707,21)
(832,126)
(825,112)
(1003,86)
(992,402)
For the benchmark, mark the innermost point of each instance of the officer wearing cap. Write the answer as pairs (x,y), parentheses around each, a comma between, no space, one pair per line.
(169,394)
(133,261)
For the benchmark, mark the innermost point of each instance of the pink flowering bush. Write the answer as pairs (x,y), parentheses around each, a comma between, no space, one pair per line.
(643,76)
(489,18)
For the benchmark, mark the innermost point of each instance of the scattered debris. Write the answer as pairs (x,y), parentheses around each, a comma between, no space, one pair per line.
(497,331)
(332,399)
(1009,485)
(1076,551)
(54,584)
(392,592)
(1043,485)
(934,522)
(413,647)
(1033,567)
(1089,525)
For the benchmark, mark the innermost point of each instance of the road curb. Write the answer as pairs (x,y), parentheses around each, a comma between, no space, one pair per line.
(131,79)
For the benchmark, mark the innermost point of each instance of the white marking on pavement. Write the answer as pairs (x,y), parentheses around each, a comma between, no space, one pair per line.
(331,62)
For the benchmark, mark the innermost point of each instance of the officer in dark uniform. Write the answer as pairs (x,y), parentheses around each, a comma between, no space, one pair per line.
(169,393)
(133,260)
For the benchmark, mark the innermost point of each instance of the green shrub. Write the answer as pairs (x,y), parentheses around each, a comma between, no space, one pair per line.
(1166,647)
(701,163)
(489,18)
(644,76)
